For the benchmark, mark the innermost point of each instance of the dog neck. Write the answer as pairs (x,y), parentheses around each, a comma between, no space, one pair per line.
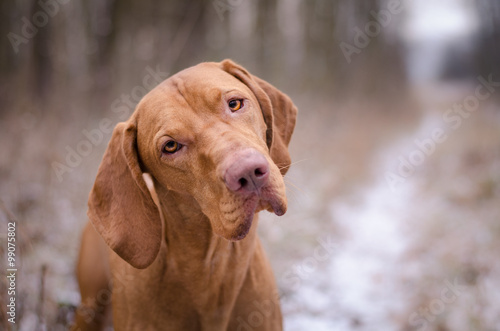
(187,233)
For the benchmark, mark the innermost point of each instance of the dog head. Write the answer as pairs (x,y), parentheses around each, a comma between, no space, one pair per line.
(213,132)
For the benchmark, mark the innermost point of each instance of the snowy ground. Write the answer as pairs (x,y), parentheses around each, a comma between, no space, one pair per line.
(405,255)
(353,251)
(360,276)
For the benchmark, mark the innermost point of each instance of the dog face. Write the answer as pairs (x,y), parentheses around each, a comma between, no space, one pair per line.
(197,131)
(213,132)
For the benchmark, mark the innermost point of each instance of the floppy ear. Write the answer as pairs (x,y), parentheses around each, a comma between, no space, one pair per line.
(278,110)
(120,205)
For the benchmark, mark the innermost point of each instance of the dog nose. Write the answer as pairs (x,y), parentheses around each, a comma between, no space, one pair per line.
(248,172)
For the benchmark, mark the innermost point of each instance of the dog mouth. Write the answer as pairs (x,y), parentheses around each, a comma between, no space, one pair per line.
(243,229)
(274,206)
(251,205)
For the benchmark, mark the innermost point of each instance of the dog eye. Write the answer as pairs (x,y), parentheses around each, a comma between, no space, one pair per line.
(235,104)
(171,147)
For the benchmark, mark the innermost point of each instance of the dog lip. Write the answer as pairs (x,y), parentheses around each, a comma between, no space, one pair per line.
(275,203)
(267,199)
(279,211)
(244,228)
(276,207)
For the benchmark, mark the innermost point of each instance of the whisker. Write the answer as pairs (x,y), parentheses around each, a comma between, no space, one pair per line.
(290,182)
(291,164)
(295,192)
(295,196)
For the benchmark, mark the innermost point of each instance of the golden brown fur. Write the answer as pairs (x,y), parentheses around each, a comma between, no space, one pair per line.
(182,227)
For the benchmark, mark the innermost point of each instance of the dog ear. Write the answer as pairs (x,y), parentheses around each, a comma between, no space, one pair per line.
(278,110)
(120,205)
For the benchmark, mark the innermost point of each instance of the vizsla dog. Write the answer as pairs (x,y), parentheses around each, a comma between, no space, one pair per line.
(175,202)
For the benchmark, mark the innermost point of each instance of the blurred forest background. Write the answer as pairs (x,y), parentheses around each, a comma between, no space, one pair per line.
(414,214)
